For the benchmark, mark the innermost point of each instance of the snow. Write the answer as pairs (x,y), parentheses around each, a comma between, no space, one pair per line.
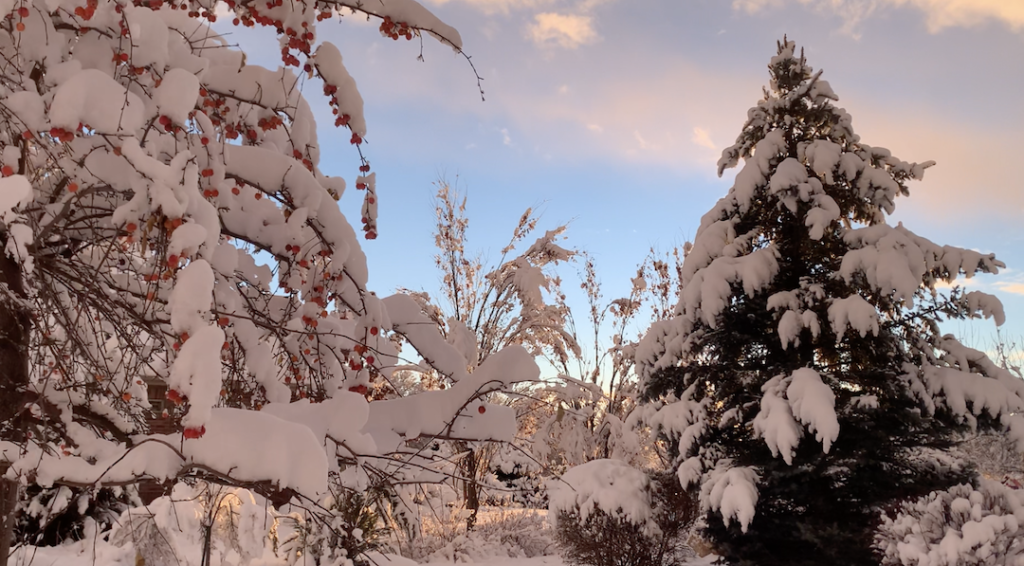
(962,525)
(732,491)
(414,14)
(611,486)
(196,373)
(300,462)
(895,260)
(175,519)
(151,41)
(775,423)
(707,293)
(28,108)
(456,411)
(787,402)
(852,312)
(408,320)
(191,297)
(92,98)
(814,404)
(339,419)
(683,418)
(823,156)
(329,64)
(14,191)
(176,96)
(957,389)
(793,322)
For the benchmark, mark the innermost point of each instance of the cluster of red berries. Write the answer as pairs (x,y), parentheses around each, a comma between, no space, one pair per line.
(62,134)
(395,30)
(88,11)
(218,108)
(175,397)
(22,14)
(306,162)
(166,122)
(271,123)
(368,219)
(361,358)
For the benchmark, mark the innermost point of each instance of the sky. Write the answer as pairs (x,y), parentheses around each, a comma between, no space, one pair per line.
(611,114)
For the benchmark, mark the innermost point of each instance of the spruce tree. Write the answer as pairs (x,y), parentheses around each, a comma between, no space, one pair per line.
(804,385)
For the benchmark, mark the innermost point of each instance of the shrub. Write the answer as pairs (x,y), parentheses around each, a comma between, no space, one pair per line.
(498,533)
(609,514)
(961,526)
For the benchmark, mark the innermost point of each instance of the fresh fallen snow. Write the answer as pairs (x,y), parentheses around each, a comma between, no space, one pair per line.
(535,561)
(78,555)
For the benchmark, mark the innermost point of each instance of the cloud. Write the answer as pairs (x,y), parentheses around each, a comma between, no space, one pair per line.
(961,282)
(939,14)
(1014,288)
(702,138)
(644,144)
(505,138)
(498,6)
(948,13)
(565,30)
(975,164)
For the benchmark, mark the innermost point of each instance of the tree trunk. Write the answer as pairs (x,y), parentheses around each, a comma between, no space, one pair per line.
(470,489)
(14,342)
(8,502)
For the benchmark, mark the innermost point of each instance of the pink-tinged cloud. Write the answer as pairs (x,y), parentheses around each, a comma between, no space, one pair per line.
(564,30)
(975,168)
(702,138)
(1015,288)
(938,14)
(497,6)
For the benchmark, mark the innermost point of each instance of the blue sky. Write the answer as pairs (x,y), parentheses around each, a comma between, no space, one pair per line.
(611,114)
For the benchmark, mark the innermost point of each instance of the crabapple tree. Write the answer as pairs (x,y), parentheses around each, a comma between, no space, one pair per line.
(165,219)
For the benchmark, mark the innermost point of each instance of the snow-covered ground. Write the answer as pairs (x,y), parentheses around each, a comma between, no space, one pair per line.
(80,555)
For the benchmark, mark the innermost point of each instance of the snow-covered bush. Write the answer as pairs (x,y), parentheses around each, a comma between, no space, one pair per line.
(52,515)
(497,533)
(607,513)
(210,524)
(961,526)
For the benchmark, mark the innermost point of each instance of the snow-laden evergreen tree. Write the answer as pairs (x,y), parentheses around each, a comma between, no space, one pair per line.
(804,383)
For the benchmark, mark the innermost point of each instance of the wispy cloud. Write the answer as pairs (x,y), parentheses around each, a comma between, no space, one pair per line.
(950,13)
(565,30)
(498,6)
(1010,287)
(939,14)
(702,138)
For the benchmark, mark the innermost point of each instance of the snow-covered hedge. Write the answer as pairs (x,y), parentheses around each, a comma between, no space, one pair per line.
(607,513)
(962,526)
